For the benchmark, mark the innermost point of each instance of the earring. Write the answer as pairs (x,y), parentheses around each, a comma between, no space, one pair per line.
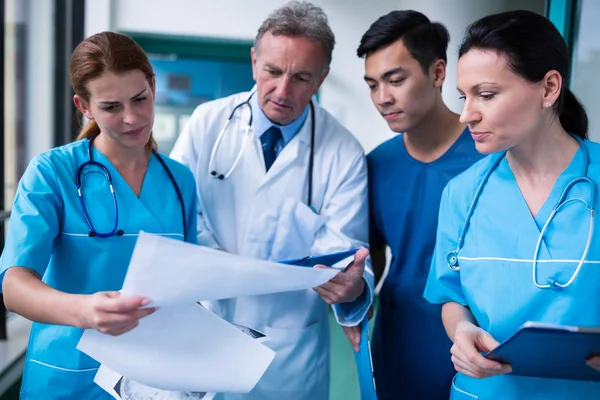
(548,104)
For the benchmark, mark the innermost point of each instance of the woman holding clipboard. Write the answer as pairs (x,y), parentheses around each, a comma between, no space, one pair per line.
(516,240)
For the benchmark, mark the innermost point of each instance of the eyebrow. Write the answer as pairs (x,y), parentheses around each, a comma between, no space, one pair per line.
(387,73)
(108,103)
(476,87)
(270,66)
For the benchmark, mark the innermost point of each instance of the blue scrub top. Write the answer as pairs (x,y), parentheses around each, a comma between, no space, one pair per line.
(48,234)
(496,261)
(404,197)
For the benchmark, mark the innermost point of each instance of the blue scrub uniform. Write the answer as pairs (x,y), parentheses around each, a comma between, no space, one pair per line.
(495,278)
(48,234)
(404,198)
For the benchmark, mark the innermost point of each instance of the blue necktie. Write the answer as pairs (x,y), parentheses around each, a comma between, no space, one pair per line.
(269,139)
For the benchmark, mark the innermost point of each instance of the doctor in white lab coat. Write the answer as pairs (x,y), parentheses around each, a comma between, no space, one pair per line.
(260,207)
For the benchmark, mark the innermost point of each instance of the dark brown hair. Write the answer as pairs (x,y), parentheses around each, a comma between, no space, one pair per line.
(106,52)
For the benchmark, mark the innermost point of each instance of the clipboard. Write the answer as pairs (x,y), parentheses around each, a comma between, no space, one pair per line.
(550,351)
(364,364)
(327,259)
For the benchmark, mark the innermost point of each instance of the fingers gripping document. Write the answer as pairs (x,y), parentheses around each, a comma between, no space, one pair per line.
(183,347)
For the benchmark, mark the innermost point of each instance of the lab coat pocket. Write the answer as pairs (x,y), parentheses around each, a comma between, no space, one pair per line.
(296,230)
(300,362)
(460,394)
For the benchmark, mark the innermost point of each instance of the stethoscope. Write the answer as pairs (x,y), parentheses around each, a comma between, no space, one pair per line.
(115,231)
(452,257)
(211,163)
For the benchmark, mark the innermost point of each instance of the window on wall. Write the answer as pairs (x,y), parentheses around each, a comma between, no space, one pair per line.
(190,71)
(586,58)
(183,84)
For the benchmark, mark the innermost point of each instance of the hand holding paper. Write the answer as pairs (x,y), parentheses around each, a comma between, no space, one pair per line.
(183,346)
(346,286)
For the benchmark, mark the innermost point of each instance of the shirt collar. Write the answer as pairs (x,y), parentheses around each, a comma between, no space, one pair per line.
(262,123)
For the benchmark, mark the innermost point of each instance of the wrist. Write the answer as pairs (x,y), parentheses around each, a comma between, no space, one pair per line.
(77,307)
(463,326)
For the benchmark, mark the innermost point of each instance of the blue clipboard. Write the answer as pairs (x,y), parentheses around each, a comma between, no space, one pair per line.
(327,259)
(550,351)
(364,364)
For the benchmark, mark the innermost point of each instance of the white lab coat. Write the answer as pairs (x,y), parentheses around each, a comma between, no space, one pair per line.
(264,215)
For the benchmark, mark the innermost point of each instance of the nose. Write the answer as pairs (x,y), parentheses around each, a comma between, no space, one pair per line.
(283,87)
(384,96)
(469,115)
(130,116)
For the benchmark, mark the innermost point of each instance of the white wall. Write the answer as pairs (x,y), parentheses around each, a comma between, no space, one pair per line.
(344,92)
(39,125)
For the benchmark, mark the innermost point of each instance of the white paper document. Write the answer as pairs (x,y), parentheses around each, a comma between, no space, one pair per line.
(169,271)
(183,347)
(122,388)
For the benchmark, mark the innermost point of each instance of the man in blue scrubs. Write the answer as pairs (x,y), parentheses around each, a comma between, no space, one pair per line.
(405,67)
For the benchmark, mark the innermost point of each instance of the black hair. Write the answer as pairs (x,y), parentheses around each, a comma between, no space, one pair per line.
(426,41)
(533,47)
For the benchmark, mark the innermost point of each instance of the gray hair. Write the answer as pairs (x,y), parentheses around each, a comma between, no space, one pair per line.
(299,19)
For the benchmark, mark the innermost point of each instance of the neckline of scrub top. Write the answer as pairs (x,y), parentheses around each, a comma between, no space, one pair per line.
(115,174)
(465,133)
(572,171)
(262,123)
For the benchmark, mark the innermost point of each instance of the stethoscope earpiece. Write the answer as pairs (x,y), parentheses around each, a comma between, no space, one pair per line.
(217,175)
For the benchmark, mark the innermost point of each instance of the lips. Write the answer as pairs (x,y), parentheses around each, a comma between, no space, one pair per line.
(391,115)
(280,105)
(134,132)
(479,136)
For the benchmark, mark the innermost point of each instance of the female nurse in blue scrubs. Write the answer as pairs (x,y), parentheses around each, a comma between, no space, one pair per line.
(66,256)
(512,72)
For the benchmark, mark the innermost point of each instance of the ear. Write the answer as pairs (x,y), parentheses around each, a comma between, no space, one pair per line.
(323,76)
(83,106)
(438,73)
(552,86)
(253,56)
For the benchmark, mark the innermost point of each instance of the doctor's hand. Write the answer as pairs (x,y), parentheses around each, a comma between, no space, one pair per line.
(353,332)
(346,286)
(469,341)
(594,362)
(111,314)
(353,335)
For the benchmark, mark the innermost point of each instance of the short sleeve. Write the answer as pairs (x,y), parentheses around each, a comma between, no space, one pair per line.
(443,284)
(34,220)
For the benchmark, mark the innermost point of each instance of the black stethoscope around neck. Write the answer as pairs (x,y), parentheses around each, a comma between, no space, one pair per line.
(115,230)
(212,172)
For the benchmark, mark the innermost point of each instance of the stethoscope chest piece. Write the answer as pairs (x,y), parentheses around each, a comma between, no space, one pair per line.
(452,260)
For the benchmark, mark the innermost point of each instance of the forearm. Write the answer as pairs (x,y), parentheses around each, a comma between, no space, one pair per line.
(27,295)
(453,314)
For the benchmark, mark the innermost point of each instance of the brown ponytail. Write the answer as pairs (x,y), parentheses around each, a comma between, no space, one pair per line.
(90,130)
(572,115)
